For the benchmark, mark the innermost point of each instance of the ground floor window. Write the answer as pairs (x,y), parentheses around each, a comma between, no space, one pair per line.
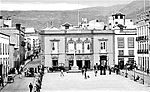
(55,62)
(87,63)
(121,63)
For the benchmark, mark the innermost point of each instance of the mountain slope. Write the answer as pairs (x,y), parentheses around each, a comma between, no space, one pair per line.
(40,19)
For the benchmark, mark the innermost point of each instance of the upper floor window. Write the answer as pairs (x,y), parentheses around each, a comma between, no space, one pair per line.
(87,46)
(103,45)
(121,52)
(71,46)
(120,42)
(131,52)
(54,46)
(79,46)
(116,16)
(131,42)
(121,16)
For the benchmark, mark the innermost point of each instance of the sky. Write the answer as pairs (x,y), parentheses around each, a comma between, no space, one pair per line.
(56,4)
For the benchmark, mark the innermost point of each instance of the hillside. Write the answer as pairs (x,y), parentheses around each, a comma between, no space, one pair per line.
(40,19)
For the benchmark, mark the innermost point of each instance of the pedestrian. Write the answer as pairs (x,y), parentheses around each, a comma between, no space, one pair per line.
(30,87)
(96,69)
(85,70)
(109,70)
(61,72)
(1,84)
(16,72)
(82,70)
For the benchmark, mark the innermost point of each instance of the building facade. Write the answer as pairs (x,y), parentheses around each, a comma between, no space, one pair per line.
(125,39)
(4,55)
(90,46)
(143,40)
(16,45)
(32,42)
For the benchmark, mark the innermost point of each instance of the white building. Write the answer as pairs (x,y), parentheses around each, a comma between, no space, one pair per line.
(143,40)
(4,55)
(32,41)
(120,19)
(93,24)
(125,40)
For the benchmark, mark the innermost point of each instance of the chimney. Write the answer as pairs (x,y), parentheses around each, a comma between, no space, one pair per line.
(18,26)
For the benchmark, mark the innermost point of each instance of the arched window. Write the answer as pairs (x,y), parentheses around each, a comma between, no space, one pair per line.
(71,46)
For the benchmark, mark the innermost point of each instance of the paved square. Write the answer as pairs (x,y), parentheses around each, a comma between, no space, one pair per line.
(76,82)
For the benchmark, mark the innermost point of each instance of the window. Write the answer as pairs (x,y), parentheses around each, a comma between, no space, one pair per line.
(54,46)
(3,48)
(71,46)
(131,52)
(121,16)
(120,42)
(103,45)
(87,46)
(79,46)
(0,49)
(131,42)
(116,22)
(116,16)
(121,52)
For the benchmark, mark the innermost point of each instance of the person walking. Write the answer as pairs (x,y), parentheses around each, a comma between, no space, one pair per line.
(85,70)
(109,70)
(1,82)
(61,72)
(30,87)
(96,69)
(82,70)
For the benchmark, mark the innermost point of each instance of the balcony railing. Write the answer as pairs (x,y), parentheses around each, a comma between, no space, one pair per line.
(141,38)
(143,51)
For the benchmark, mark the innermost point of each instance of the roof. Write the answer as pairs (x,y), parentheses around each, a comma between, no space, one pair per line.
(66,24)
(118,14)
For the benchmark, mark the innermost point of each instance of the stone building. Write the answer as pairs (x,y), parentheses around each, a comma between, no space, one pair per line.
(90,46)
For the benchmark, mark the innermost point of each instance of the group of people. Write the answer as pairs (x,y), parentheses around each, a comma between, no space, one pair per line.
(1,81)
(36,86)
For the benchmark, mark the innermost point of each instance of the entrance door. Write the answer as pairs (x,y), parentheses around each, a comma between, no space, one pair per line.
(70,64)
(87,63)
(79,63)
(0,69)
(103,61)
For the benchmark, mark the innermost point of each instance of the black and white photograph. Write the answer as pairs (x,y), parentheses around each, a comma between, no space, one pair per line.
(74,45)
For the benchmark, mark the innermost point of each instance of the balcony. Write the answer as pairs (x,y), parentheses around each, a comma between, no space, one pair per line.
(143,51)
(141,38)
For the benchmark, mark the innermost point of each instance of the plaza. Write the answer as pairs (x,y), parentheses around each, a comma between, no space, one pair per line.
(52,82)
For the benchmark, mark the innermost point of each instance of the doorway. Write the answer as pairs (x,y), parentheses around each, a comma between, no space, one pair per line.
(87,63)
(103,60)
(79,64)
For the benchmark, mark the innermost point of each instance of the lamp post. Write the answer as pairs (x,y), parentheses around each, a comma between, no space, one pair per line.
(74,67)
